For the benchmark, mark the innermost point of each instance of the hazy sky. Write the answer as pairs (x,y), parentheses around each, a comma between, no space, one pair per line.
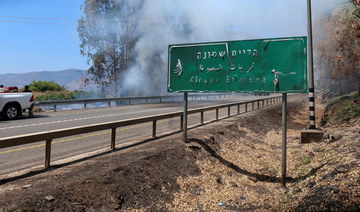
(39,35)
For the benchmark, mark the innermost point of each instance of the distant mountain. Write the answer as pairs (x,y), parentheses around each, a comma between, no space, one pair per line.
(71,78)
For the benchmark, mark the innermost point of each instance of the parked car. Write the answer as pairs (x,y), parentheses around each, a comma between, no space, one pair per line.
(12,104)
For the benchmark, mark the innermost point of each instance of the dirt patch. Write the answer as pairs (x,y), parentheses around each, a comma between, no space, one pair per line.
(234,164)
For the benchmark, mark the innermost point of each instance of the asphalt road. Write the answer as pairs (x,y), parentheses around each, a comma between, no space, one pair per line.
(26,156)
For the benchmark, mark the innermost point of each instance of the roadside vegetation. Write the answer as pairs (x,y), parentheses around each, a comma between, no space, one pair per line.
(49,90)
(43,86)
(342,110)
(337,46)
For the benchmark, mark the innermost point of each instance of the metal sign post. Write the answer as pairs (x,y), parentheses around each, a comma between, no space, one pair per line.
(283,149)
(185,116)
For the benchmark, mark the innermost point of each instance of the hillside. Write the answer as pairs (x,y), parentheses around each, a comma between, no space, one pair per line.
(71,78)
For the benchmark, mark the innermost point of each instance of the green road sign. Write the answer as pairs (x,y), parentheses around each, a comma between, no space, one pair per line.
(265,65)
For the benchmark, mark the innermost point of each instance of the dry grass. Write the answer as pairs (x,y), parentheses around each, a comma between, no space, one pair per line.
(313,183)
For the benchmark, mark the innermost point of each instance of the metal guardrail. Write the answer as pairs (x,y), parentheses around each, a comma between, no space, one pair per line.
(48,136)
(85,102)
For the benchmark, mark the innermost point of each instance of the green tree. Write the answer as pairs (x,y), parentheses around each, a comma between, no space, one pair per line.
(107,34)
(43,86)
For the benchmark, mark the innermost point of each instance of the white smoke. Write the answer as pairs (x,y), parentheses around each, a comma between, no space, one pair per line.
(164,22)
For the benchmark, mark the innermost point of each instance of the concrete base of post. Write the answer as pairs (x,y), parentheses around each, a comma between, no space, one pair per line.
(309,136)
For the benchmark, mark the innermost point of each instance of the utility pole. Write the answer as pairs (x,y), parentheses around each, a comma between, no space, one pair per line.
(311,68)
(311,134)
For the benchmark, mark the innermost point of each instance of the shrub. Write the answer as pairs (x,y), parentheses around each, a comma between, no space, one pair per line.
(43,86)
(59,95)
(342,110)
(88,94)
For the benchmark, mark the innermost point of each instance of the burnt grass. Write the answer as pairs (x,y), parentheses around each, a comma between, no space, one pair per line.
(170,175)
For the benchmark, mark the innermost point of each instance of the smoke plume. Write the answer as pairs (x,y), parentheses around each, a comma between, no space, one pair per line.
(160,23)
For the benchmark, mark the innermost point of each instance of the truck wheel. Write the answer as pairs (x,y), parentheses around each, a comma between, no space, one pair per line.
(11,112)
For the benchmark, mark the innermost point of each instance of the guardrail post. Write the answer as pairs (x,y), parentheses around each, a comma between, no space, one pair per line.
(54,108)
(229,111)
(113,137)
(267,102)
(202,118)
(246,107)
(47,153)
(252,107)
(181,123)
(258,103)
(85,105)
(217,113)
(154,129)
(238,108)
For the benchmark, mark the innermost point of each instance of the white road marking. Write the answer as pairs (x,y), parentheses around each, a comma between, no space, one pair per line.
(79,119)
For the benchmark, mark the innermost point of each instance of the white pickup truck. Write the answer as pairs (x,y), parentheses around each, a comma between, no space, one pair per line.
(13,104)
